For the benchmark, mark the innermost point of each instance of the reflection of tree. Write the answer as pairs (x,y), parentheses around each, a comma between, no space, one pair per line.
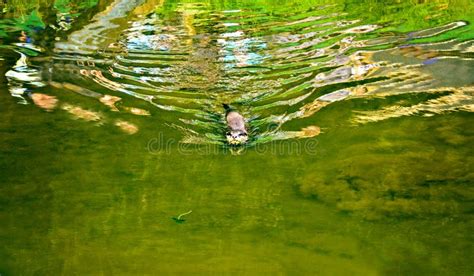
(108,23)
(459,99)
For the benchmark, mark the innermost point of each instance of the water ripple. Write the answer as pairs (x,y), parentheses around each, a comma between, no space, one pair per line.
(276,67)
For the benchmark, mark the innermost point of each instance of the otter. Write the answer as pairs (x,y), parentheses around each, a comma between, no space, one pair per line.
(237,133)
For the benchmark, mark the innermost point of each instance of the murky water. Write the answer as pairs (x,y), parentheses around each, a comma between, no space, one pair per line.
(113,153)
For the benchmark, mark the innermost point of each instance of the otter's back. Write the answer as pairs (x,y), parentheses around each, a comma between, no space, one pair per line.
(235,120)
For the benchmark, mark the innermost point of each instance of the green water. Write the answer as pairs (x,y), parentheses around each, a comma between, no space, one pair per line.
(360,160)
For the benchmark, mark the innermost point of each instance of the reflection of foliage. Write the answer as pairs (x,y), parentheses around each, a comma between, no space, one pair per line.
(26,15)
(73,7)
(406,16)
(400,16)
(20,8)
(23,23)
(409,15)
(21,15)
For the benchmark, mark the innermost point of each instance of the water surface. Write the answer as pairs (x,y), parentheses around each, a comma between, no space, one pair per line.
(360,159)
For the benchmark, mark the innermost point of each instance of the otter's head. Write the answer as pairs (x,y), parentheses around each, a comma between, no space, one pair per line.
(236,137)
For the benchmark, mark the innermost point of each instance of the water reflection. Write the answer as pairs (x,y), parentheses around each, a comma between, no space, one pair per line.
(377,198)
(277,69)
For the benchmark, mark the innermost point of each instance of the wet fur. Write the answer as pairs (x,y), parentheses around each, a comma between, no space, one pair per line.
(237,133)
(235,121)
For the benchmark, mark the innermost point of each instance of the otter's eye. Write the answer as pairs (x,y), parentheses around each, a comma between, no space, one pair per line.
(227,133)
(243,134)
